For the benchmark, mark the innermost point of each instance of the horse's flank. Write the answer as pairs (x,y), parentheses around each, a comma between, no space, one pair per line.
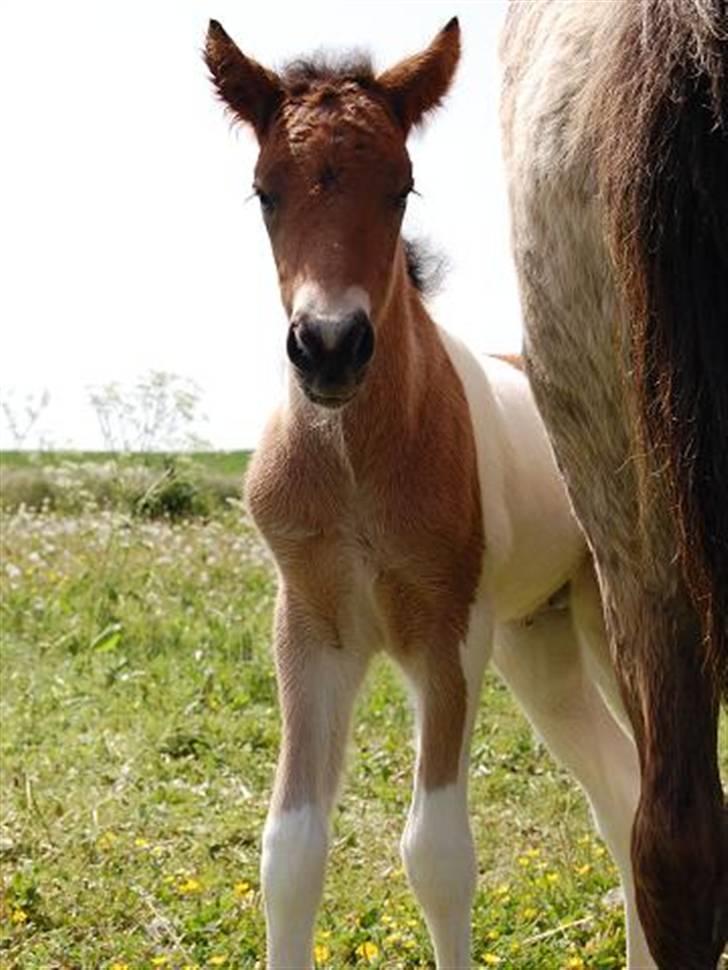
(615,135)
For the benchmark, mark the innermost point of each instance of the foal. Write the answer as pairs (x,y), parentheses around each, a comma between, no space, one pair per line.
(411,502)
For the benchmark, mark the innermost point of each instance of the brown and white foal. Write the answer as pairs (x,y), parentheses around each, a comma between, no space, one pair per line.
(410,499)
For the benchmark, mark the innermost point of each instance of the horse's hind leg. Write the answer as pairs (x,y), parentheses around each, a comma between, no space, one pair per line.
(679,842)
(543,665)
(317,682)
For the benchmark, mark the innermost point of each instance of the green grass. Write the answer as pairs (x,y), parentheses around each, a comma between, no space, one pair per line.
(139,737)
(222,462)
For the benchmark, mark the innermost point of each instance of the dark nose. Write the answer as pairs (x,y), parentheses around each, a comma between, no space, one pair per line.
(333,352)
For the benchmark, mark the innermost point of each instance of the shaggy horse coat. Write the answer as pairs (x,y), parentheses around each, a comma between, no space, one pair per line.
(615,120)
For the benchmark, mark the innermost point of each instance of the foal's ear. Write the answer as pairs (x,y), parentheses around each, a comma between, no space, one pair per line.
(249,90)
(419,83)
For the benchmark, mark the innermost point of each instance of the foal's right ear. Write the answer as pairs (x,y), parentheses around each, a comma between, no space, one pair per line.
(250,91)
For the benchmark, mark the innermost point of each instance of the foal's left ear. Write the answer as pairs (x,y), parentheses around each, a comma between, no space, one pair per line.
(419,83)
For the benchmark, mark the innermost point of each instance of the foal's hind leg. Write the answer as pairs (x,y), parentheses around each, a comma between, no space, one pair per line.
(437,844)
(543,666)
(317,681)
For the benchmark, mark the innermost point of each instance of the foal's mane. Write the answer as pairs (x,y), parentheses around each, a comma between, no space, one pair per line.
(324,66)
(427,267)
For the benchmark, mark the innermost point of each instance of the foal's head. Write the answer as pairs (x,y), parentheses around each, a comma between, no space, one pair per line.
(332,177)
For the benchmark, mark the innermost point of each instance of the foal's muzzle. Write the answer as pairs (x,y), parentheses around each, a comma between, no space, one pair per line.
(330,356)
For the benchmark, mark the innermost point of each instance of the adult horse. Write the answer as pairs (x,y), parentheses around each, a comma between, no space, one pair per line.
(411,501)
(615,119)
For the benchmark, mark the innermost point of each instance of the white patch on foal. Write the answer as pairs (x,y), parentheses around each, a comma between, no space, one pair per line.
(533,545)
(295,843)
(439,858)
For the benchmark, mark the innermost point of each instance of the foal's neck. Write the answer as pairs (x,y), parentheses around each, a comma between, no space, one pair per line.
(383,421)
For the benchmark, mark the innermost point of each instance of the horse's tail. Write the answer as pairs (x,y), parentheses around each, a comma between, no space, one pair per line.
(664,180)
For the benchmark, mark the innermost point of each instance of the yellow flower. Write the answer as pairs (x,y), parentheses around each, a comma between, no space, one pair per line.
(18,916)
(218,960)
(241,889)
(503,889)
(119,966)
(530,913)
(582,870)
(599,851)
(533,853)
(491,960)
(524,860)
(552,877)
(189,886)
(105,841)
(575,963)
(160,961)
(493,935)
(368,950)
(320,953)
(141,843)
(393,939)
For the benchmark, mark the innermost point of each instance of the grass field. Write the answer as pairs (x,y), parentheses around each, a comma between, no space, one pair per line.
(139,736)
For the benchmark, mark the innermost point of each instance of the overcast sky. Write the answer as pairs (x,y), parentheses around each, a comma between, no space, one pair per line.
(127,243)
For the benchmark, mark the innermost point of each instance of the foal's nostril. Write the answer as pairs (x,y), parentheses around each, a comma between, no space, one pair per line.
(361,340)
(304,347)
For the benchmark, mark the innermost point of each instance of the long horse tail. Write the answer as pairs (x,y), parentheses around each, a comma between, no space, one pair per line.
(663,174)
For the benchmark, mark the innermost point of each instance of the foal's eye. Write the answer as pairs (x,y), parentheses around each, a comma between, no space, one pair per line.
(401,197)
(268,202)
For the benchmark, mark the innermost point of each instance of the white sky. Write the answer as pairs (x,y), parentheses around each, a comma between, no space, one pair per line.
(127,244)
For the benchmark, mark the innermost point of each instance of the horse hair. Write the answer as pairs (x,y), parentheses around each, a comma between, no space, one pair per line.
(664,159)
(327,66)
(427,267)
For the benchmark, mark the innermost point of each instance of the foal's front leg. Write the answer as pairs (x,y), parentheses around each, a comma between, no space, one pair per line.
(437,844)
(317,682)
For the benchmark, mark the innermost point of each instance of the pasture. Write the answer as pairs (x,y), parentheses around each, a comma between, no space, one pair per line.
(139,732)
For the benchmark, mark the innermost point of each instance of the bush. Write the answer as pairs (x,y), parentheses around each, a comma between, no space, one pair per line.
(174,498)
